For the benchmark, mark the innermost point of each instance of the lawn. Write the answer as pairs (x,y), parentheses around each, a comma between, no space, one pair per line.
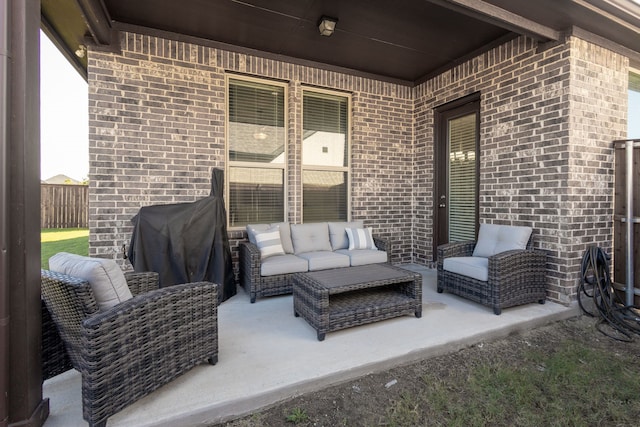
(54,240)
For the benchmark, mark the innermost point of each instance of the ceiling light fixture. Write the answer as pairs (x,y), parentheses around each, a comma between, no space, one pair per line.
(327,25)
(82,51)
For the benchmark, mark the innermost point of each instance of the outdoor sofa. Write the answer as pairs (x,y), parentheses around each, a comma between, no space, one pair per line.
(275,252)
(501,269)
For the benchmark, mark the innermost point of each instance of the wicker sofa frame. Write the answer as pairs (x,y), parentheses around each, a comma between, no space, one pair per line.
(130,350)
(258,286)
(515,277)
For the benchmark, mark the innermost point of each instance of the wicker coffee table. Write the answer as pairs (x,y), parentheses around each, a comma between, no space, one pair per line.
(344,297)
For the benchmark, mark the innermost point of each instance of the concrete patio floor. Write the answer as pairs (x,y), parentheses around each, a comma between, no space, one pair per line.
(267,355)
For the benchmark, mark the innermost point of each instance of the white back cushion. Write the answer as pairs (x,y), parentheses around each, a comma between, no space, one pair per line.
(310,237)
(105,277)
(494,238)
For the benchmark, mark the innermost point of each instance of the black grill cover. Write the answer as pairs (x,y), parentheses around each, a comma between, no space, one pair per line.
(186,242)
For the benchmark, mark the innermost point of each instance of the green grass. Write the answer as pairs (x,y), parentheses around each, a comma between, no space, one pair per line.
(297,416)
(54,240)
(575,386)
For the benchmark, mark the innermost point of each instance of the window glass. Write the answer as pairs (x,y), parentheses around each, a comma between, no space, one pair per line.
(325,130)
(462,178)
(256,196)
(325,157)
(324,196)
(256,148)
(256,122)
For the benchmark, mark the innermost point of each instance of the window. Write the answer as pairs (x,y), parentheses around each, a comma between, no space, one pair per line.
(462,177)
(256,149)
(325,157)
(633,124)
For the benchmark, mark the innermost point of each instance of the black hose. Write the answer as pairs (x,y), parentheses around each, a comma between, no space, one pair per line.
(617,320)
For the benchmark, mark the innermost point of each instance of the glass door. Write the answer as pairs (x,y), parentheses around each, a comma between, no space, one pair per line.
(457,160)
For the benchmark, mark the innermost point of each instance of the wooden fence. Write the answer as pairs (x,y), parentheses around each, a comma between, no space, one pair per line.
(64,206)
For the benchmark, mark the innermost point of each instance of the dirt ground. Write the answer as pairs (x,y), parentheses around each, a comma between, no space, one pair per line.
(365,401)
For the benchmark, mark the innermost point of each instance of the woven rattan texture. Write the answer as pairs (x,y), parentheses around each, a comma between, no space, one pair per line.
(515,277)
(329,306)
(130,350)
(55,359)
(258,286)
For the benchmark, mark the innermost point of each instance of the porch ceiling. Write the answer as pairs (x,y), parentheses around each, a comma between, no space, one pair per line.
(404,40)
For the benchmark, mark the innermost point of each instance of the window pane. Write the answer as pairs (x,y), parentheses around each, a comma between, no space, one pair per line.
(324,196)
(256,122)
(255,196)
(462,178)
(325,130)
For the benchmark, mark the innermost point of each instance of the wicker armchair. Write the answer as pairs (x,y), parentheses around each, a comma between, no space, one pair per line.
(135,347)
(515,277)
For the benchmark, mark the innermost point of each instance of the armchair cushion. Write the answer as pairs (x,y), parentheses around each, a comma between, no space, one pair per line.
(494,238)
(105,277)
(472,266)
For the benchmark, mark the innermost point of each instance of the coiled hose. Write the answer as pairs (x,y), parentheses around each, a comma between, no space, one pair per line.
(617,320)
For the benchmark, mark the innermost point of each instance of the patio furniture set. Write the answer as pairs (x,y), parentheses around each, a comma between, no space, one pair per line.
(127,337)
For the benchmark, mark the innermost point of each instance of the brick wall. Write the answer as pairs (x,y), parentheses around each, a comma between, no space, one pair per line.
(548,116)
(157,114)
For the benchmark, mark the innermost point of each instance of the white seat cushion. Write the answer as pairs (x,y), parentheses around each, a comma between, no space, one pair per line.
(105,277)
(324,260)
(494,238)
(364,256)
(283,264)
(471,266)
